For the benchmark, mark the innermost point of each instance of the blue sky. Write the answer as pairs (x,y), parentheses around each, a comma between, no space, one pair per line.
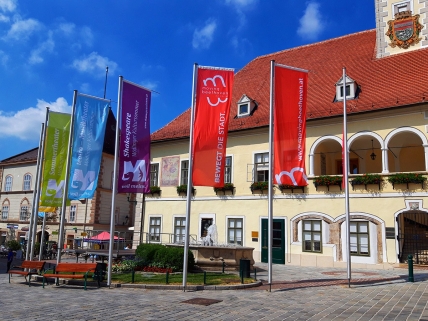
(50,48)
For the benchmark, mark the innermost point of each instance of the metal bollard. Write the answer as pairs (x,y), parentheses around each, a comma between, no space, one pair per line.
(133,275)
(255,274)
(410,263)
(205,277)
(224,264)
(242,276)
(167,276)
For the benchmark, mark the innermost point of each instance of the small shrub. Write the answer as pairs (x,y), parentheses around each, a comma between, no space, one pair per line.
(14,245)
(145,252)
(367,179)
(404,178)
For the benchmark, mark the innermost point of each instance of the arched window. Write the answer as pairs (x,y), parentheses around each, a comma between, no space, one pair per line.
(24,213)
(8,184)
(27,182)
(5,210)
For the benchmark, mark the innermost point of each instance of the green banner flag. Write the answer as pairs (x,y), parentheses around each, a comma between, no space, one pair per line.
(55,160)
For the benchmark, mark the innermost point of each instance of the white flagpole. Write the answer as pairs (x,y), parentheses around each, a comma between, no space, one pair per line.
(33,218)
(270,180)
(114,191)
(345,177)
(189,179)
(39,183)
(67,174)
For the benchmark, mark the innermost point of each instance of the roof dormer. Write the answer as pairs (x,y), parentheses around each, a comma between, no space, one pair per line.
(246,106)
(351,89)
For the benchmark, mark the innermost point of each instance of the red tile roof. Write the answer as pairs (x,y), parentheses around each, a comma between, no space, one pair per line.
(393,81)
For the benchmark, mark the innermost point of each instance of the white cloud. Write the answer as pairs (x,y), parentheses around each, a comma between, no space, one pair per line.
(311,24)
(241,3)
(202,38)
(7,5)
(3,58)
(87,36)
(67,28)
(45,47)
(11,125)
(152,85)
(22,29)
(4,18)
(94,63)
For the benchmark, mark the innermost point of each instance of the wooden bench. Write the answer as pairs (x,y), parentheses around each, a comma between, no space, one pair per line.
(72,271)
(28,268)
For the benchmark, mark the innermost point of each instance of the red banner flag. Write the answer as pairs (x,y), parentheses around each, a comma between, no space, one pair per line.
(213,95)
(290,88)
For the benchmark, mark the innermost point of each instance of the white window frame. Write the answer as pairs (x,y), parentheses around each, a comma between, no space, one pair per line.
(5,211)
(257,168)
(72,214)
(154,181)
(183,178)
(234,217)
(356,233)
(210,216)
(179,238)
(399,7)
(230,180)
(8,183)
(155,236)
(27,182)
(24,209)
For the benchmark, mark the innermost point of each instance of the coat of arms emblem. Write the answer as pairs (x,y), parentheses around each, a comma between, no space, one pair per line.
(404,30)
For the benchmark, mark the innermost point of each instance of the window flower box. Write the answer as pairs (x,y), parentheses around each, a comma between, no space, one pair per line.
(326,180)
(182,189)
(283,187)
(228,187)
(259,186)
(154,190)
(367,179)
(406,178)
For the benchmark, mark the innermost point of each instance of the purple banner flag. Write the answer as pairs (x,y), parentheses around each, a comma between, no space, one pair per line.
(134,158)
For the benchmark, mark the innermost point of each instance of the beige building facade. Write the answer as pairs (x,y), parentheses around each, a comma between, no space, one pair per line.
(387,135)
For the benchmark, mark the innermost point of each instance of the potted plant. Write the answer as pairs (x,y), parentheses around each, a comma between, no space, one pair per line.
(259,186)
(406,178)
(367,179)
(226,187)
(326,180)
(182,189)
(154,190)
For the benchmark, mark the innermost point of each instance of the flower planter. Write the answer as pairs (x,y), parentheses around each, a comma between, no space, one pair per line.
(367,179)
(259,187)
(283,188)
(227,189)
(328,181)
(407,178)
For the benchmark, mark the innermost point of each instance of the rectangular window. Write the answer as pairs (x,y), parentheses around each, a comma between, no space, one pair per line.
(359,235)
(348,91)
(179,229)
(27,182)
(261,167)
(401,7)
(155,228)
(24,213)
(184,172)
(228,170)
(243,109)
(72,217)
(5,212)
(154,174)
(234,231)
(312,235)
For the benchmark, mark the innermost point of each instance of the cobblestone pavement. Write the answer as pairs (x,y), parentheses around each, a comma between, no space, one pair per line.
(297,293)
